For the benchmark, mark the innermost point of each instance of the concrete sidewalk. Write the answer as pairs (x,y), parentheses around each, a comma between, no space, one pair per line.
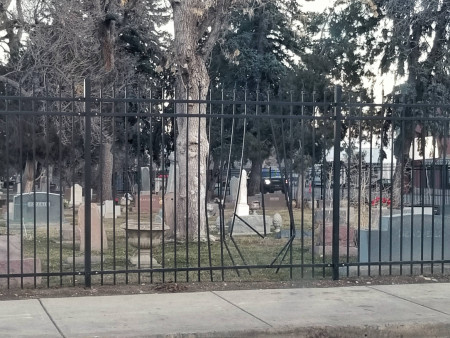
(413,310)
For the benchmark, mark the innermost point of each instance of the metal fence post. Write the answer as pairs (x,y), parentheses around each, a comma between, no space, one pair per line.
(336,179)
(87,184)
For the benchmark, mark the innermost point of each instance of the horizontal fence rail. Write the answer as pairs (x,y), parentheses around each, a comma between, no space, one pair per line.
(134,186)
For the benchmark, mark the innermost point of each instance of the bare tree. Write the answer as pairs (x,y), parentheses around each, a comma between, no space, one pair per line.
(69,41)
(198,25)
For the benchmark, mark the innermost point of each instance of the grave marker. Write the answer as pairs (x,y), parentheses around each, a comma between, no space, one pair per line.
(39,207)
(96,230)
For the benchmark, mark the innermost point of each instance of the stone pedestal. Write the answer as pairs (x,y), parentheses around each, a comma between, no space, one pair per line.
(242,210)
(144,237)
(143,258)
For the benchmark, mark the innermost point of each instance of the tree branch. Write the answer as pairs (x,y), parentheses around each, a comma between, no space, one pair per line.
(15,84)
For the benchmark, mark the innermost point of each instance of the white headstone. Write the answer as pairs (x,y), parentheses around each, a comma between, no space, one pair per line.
(78,199)
(11,211)
(108,209)
(242,207)
(171,177)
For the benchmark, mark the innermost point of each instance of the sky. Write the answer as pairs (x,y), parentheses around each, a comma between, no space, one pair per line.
(316,5)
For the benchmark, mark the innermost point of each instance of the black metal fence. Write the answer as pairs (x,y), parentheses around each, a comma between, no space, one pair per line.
(97,187)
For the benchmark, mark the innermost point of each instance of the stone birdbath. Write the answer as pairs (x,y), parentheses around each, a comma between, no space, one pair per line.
(144,238)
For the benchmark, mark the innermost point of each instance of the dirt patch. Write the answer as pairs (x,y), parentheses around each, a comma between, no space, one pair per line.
(109,290)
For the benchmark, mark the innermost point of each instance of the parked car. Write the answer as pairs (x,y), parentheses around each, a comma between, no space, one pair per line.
(272,184)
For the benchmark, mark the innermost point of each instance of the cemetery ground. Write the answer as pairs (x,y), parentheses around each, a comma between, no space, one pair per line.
(56,257)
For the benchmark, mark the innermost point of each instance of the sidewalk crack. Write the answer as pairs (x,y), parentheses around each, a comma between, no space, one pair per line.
(409,300)
(250,314)
(51,319)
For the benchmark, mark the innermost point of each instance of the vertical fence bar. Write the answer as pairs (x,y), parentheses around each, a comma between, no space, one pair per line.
(163,189)
(87,184)
(139,164)
(61,193)
(73,185)
(101,156)
(7,142)
(402,187)
(47,179)
(348,179)
(391,195)
(113,127)
(199,220)
(127,246)
(360,178)
(222,196)
(302,216)
(175,187)
(33,141)
(313,209)
(188,103)
(336,179)
(151,176)
(445,181)
(22,227)
(206,192)
(325,178)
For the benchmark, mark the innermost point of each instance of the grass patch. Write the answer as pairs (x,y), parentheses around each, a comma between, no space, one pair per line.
(200,261)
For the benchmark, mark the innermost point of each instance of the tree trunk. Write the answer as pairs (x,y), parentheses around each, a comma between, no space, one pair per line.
(402,147)
(107,171)
(192,82)
(300,193)
(254,184)
(28,176)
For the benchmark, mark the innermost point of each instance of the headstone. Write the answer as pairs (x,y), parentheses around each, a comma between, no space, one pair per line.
(407,237)
(171,177)
(11,211)
(325,216)
(96,229)
(234,185)
(243,208)
(15,263)
(169,210)
(47,207)
(347,236)
(78,191)
(110,209)
(275,200)
(145,179)
(149,203)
